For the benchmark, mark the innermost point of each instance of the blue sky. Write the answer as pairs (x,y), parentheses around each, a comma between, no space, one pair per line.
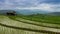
(46,5)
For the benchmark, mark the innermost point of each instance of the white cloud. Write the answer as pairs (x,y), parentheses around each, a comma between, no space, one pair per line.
(29,4)
(44,7)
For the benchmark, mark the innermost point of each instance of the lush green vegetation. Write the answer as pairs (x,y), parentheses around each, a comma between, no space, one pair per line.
(24,19)
(42,18)
(5,28)
(39,18)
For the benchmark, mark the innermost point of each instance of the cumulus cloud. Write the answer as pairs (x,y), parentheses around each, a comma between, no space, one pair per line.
(43,6)
(46,5)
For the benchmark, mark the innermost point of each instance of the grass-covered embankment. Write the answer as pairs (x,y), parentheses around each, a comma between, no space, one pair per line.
(13,22)
(24,20)
(8,26)
(43,18)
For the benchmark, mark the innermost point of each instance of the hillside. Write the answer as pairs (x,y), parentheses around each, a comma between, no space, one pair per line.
(43,18)
(10,25)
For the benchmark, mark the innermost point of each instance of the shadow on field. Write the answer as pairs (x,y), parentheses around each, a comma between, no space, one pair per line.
(31,23)
(41,31)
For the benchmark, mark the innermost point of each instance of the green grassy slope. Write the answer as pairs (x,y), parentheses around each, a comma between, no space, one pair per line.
(6,23)
(17,18)
(10,25)
(43,18)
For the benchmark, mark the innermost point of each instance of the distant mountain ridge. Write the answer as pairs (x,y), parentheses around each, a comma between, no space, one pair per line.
(55,13)
(24,12)
(29,12)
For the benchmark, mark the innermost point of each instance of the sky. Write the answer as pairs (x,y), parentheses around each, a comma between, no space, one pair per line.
(46,5)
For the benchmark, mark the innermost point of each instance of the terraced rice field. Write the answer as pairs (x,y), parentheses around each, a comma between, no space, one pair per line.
(16,25)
